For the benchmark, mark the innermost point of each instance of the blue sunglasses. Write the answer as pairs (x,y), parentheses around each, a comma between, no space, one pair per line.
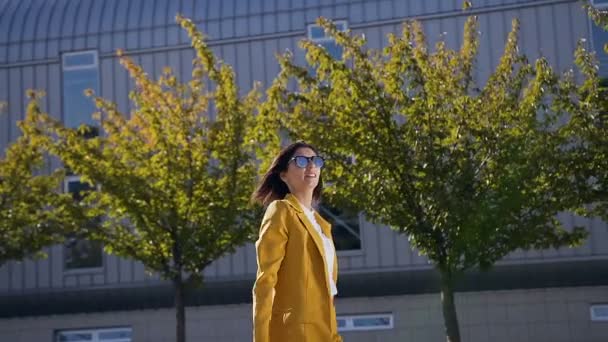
(303,161)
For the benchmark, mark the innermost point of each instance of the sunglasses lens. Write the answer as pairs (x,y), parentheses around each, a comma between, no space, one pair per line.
(301,162)
(318,161)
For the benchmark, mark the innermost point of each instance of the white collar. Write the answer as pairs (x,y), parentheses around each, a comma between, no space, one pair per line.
(305,208)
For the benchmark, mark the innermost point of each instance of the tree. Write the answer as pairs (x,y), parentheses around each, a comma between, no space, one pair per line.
(33,212)
(173,180)
(468,173)
(588,105)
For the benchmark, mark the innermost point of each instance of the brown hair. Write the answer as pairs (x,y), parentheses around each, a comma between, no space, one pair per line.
(272,187)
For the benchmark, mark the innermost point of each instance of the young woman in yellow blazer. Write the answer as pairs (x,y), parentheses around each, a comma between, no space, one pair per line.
(297,263)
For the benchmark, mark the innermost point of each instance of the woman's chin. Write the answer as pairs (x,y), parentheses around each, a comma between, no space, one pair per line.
(311,183)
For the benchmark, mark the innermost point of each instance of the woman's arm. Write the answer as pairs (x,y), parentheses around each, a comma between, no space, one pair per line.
(270,250)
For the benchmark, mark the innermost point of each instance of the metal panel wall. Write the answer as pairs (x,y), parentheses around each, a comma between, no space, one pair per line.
(151,23)
(147,29)
(4,121)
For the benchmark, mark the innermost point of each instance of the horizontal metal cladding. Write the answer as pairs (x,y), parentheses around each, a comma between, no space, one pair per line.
(549,29)
(383,250)
(370,284)
(247,35)
(41,29)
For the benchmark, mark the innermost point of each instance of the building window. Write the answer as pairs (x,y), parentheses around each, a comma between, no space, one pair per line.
(80,253)
(74,186)
(345,224)
(95,335)
(317,34)
(600,4)
(599,312)
(365,322)
(603,117)
(599,39)
(80,72)
(345,227)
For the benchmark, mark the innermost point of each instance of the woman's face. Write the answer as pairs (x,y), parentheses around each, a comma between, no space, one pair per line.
(301,179)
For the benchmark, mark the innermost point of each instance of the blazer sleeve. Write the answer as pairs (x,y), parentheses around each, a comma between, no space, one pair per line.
(270,251)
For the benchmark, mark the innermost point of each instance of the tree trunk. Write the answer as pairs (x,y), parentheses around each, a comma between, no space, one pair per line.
(180,312)
(449,309)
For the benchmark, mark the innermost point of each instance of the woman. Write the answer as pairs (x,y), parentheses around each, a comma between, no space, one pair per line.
(297,264)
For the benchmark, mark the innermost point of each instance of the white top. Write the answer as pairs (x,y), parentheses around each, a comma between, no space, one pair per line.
(330,251)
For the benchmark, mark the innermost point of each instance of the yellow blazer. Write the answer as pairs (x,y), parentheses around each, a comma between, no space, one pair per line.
(291,296)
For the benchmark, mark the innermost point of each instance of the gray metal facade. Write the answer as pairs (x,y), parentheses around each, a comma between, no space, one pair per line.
(247,34)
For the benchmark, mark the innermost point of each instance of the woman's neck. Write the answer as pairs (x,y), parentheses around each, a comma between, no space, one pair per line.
(305,199)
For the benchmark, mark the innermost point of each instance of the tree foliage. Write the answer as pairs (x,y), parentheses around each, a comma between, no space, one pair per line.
(173,178)
(589,129)
(33,211)
(468,172)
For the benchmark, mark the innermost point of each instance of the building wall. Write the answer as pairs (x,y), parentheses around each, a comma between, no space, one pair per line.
(382,250)
(247,34)
(551,314)
(35,33)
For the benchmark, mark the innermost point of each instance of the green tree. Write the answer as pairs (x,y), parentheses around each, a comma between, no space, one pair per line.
(588,105)
(587,134)
(173,180)
(468,173)
(33,212)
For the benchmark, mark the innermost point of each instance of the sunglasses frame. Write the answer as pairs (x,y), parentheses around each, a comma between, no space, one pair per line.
(308,161)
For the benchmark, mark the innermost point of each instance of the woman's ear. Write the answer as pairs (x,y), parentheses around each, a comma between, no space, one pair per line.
(282,177)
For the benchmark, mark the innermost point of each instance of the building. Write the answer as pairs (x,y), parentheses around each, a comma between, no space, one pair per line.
(388,292)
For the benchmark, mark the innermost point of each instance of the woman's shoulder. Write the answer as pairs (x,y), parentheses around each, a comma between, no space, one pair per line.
(278,211)
(279,206)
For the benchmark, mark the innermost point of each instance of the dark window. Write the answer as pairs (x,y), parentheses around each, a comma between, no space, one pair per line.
(80,253)
(345,227)
(77,188)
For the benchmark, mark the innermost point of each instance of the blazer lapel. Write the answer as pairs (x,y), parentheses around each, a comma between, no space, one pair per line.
(325,226)
(302,216)
(311,230)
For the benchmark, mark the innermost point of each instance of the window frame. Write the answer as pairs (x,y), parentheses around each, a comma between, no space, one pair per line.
(602,6)
(65,55)
(350,252)
(67,68)
(98,269)
(601,55)
(326,38)
(594,317)
(350,326)
(95,333)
